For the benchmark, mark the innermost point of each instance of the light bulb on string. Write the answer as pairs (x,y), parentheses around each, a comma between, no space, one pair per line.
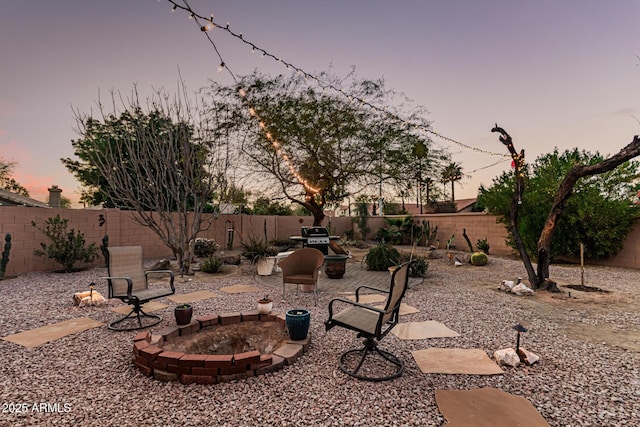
(208,27)
(221,67)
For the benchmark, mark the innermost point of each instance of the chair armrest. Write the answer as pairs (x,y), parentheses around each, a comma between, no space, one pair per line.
(354,303)
(129,285)
(371,288)
(147,273)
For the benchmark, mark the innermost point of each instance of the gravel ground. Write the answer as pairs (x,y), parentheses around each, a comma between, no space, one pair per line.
(580,381)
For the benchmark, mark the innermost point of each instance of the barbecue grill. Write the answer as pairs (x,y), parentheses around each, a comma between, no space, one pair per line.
(317,238)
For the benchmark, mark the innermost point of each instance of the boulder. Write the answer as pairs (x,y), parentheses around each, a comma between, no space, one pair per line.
(521,289)
(231,260)
(506,285)
(88,298)
(527,356)
(165,264)
(507,357)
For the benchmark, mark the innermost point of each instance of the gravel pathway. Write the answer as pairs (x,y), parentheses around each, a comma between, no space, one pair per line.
(89,379)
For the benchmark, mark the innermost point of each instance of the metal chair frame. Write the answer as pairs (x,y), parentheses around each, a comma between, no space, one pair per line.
(372,324)
(125,268)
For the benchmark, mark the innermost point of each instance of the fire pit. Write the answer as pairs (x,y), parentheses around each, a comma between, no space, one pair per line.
(217,348)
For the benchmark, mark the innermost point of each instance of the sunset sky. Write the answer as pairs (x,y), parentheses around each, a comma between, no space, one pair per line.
(553,73)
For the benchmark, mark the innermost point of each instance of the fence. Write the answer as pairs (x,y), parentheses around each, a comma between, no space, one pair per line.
(123,230)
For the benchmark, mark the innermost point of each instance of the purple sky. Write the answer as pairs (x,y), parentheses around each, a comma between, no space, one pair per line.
(551,72)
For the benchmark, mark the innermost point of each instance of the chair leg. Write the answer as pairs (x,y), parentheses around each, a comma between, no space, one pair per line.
(139,314)
(315,294)
(371,347)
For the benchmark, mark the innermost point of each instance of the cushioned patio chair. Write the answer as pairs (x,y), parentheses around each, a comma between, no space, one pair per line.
(129,282)
(301,268)
(372,324)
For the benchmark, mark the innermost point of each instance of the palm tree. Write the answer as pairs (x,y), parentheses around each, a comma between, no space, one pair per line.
(452,173)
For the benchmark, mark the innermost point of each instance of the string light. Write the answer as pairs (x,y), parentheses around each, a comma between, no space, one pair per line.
(277,146)
(322,84)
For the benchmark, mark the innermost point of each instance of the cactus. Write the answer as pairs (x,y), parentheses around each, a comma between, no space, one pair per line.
(464,234)
(103,248)
(5,255)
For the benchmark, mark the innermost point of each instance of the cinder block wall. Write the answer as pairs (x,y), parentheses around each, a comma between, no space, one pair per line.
(477,224)
(123,230)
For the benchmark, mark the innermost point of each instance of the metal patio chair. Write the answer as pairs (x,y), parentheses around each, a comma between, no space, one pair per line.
(372,324)
(129,282)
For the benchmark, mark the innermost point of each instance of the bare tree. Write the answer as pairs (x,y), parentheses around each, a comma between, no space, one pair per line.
(540,279)
(166,165)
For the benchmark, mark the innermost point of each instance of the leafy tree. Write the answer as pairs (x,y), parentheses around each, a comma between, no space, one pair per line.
(117,139)
(266,206)
(166,165)
(452,173)
(599,214)
(417,164)
(7,182)
(316,147)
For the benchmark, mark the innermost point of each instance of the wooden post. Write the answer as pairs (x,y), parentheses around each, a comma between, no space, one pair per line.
(581,263)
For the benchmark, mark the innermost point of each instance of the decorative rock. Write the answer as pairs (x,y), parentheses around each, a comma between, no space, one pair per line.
(231,260)
(506,357)
(506,285)
(165,264)
(527,356)
(88,298)
(521,289)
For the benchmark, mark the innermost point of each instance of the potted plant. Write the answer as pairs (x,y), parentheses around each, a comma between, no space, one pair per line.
(183,313)
(260,253)
(265,305)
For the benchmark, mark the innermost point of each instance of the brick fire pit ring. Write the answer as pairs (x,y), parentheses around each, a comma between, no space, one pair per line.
(165,365)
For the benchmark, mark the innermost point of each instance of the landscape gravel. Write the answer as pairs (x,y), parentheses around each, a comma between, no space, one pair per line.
(89,379)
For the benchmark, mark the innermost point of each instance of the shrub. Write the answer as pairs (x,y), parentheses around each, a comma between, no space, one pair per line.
(67,247)
(420,264)
(256,249)
(5,255)
(381,257)
(213,264)
(205,247)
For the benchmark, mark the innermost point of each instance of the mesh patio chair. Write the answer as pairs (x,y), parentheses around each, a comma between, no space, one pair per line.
(301,268)
(372,324)
(129,282)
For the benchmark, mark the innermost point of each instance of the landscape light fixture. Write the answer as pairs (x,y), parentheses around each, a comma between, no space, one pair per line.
(520,329)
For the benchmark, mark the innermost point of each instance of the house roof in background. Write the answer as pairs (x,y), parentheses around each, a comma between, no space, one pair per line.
(464,204)
(7,198)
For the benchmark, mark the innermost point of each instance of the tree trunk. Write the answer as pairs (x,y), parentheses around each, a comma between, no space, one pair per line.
(516,201)
(316,209)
